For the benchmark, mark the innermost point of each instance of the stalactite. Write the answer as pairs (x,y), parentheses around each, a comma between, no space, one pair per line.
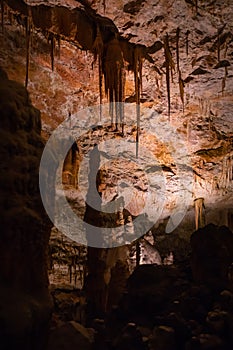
(187,42)
(52,49)
(177,49)
(196,6)
(199,213)
(100,83)
(169,65)
(58,38)
(28,40)
(113,77)
(218,46)
(138,253)
(229,170)
(104,5)
(137,75)
(98,52)
(181,87)
(223,84)
(224,80)
(122,97)
(226,48)
(180,80)
(111,106)
(168,87)
(117,95)
(2,14)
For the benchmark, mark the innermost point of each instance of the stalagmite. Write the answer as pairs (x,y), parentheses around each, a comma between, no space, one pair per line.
(70,169)
(226,177)
(199,212)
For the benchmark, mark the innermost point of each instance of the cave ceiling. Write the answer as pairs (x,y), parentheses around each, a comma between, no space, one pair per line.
(171,57)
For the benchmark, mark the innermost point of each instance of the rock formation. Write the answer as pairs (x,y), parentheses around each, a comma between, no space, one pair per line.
(25,304)
(173,61)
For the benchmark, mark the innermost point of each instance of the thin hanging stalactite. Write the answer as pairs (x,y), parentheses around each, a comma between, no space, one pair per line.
(58,38)
(111,104)
(104,5)
(169,65)
(178,49)
(100,83)
(168,87)
(196,6)
(187,42)
(181,88)
(2,14)
(122,97)
(224,81)
(52,49)
(218,46)
(28,40)
(137,84)
(117,95)
(180,80)
(98,52)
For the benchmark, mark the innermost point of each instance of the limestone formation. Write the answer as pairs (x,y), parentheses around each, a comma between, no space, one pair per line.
(25,304)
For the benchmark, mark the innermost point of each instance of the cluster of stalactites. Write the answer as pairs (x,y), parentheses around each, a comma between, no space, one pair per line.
(114,79)
(113,55)
(112,66)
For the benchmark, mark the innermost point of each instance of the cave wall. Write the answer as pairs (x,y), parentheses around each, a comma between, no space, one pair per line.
(25,303)
(202,66)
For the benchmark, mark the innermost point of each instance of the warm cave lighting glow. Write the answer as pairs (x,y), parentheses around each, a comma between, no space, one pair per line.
(116,143)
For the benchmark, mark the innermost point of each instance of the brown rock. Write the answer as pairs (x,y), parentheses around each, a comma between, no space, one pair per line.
(212,254)
(71,335)
(25,304)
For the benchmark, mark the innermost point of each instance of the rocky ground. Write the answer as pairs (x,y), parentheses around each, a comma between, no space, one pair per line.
(185,305)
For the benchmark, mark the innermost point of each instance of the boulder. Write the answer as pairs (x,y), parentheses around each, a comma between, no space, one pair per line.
(212,255)
(163,338)
(71,335)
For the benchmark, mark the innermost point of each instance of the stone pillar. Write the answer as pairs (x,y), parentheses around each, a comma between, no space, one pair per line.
(25,304)
(107,267)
